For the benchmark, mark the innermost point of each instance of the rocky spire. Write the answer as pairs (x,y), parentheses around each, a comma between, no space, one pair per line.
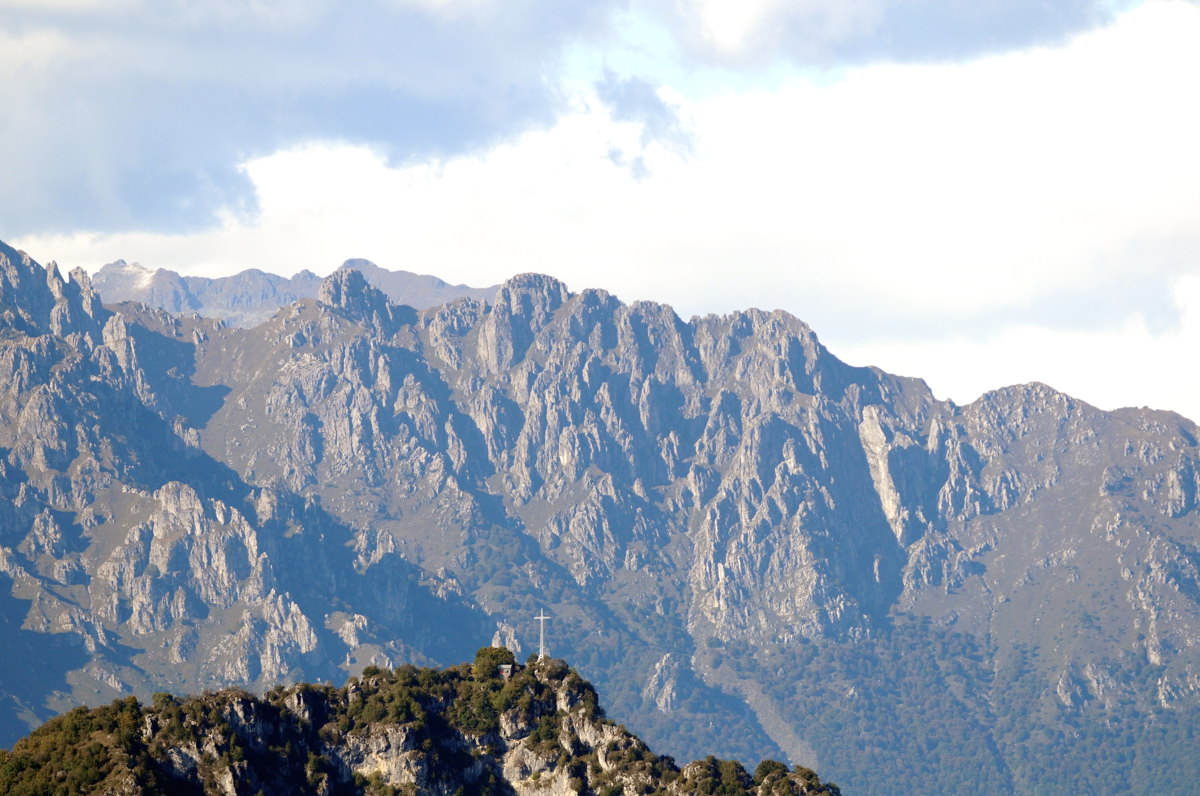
(36,300)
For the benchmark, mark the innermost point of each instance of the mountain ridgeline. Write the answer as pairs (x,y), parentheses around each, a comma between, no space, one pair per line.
(250,297)
(470,729)
(753,549)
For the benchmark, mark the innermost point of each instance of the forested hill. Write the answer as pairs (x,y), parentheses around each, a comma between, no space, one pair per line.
(468,729)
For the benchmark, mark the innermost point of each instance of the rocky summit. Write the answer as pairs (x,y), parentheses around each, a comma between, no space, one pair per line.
(752,548)
(492,727)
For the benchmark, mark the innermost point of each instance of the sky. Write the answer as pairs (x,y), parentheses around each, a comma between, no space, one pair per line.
(977,193)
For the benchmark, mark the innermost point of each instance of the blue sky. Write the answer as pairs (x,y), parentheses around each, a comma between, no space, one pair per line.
(977,193)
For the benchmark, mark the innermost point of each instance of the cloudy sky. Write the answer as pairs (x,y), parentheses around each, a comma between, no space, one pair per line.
(979,192)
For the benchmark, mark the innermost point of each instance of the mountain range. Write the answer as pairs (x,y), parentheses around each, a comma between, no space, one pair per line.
(250,297)
(752,548)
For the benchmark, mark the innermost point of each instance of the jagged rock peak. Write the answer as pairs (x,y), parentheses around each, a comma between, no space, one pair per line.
(9,253)
(350,293)
(535,297)
(15,267)
(80,277)
(537,284)
(36,299)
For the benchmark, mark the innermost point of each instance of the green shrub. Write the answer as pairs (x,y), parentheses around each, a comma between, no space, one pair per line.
(488,661)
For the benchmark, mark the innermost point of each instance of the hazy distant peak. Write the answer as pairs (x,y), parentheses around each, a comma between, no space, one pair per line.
(119,269)
(123,267)
(420,291)
(251,296)
(361,264)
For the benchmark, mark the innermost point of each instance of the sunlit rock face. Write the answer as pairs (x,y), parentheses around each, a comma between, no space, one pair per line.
(715,512)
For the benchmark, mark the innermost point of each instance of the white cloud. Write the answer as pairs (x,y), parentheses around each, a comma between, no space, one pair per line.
(728,24)
(135,115)
(835,31)
(1125,365)
(900,200)
(735,27)
(26,54)
(65,5)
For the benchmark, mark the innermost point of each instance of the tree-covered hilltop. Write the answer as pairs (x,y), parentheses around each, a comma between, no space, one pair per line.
(490,727)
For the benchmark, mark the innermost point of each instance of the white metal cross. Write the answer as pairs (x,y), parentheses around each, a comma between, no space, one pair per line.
(541,617)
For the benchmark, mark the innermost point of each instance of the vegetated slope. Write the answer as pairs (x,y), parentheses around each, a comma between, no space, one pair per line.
(752,548)
(466,729)
(250,297)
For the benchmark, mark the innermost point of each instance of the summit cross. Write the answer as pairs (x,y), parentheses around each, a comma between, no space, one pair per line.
(541,617)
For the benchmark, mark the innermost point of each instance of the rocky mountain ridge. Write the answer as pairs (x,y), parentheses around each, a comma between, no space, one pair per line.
(751,547)
(250,297)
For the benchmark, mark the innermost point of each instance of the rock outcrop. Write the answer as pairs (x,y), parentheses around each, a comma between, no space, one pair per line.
(469,729)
